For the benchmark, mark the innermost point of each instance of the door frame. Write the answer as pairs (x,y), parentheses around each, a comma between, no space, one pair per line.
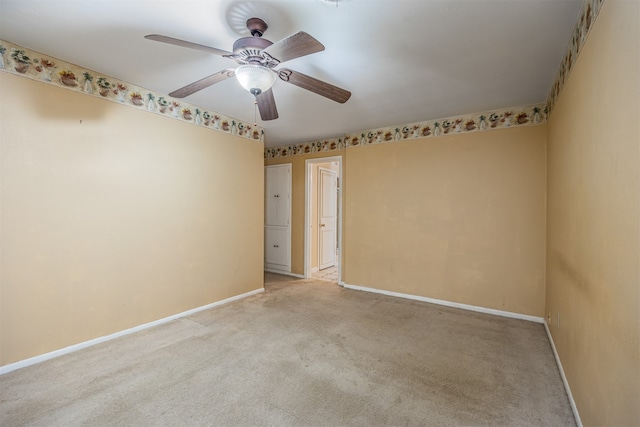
(308,163)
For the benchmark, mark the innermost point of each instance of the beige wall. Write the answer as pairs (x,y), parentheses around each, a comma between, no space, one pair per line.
(459,218)
(593,257)
(113,217)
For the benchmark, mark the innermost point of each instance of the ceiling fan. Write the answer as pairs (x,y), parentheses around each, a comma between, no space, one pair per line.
(258,58)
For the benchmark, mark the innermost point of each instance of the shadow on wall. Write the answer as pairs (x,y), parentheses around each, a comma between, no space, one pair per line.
(574,276)
(48,103)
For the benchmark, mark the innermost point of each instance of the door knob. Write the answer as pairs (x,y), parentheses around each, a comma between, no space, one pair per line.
(321,225)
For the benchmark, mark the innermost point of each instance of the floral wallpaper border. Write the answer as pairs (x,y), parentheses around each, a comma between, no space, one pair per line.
(20,61)
(517,116)
(36,66)
(588,15)
(509,117)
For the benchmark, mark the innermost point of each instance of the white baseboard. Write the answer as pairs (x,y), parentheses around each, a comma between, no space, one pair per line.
(75,347)
(535,319)
(448,303)
(284,273)
(572,402)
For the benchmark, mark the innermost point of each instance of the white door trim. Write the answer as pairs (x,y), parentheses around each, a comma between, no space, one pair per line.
(307,212)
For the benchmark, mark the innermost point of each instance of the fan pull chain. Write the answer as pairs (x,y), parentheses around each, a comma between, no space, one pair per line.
(255,113)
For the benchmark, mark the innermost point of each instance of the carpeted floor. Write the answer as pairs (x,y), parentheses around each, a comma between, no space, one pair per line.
(303,353)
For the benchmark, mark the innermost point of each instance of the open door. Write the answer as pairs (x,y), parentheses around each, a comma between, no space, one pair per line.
(327,217)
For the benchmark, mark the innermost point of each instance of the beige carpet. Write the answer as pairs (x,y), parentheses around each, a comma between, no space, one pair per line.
(303,353)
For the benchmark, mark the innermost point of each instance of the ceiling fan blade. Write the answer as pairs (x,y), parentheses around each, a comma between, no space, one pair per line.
(184,43)
(267,105)
(314,85)
(203,83)
(295,46)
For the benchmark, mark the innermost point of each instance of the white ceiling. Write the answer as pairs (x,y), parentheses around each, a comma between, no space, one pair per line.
(403,60)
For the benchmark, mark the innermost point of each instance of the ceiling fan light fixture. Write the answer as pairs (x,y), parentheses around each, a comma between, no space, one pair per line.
(255,78)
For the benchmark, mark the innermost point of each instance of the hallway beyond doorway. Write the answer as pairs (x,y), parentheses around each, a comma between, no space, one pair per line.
(330,273)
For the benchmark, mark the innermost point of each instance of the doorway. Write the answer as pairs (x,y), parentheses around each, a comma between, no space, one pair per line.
(323,218)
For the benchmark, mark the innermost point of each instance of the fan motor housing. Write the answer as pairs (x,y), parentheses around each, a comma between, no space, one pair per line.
(249,50)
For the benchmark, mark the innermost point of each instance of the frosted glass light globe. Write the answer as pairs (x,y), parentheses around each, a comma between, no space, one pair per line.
(255,78)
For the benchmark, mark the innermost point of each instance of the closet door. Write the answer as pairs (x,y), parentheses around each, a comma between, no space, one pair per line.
(277,189)
(276,248)
(277,227)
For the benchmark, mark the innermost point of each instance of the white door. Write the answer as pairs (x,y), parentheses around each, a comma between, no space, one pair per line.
(277,218)
(277,190)
(276,248)
(327,216)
